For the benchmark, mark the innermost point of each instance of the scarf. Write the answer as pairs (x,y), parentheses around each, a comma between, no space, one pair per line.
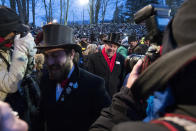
(110,62)
(158,103)
(8,45)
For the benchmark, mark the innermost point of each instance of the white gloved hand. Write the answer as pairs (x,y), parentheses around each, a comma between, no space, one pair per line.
(25,44)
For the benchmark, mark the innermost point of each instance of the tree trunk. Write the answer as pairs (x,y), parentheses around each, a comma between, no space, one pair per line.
(3,2)
(33,11)
(66,18)
(116,13)
(24,10)
(104,8)
(64,10)
(13,4)
(91,4)
(20,10)
(28,10)
(46,10)
(50,11)
(61,10)
(97,9)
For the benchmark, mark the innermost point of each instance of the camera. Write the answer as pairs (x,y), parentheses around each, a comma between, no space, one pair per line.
(151,55)
(156,18)
(131,60)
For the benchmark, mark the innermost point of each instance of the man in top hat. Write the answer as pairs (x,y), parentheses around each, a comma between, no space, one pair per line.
(133,42)
(71,97)
(109,64)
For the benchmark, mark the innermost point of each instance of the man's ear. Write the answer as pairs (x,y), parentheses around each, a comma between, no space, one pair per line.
(72,54)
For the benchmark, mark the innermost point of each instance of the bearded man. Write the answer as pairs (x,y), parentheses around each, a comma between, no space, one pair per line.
(71,97)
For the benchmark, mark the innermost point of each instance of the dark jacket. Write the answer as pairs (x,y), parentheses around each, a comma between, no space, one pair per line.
(79,109)
(113,80)
(85,62)
(123,108)
(127,114)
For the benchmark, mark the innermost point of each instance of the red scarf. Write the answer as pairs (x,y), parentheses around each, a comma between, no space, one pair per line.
(111,62)
(7,44)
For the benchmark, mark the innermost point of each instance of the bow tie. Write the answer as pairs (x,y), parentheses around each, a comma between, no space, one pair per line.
(64,83)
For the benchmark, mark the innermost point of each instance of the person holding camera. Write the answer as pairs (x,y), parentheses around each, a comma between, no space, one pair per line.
(168,85)
(16,61)
(13,62)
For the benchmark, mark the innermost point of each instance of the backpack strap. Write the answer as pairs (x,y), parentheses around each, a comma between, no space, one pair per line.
(5,60)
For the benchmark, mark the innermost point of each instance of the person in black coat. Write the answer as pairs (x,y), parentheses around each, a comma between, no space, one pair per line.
(72,98)
(108,64)
(168,85)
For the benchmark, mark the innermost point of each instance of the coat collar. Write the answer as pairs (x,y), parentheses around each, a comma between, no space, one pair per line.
(104,62)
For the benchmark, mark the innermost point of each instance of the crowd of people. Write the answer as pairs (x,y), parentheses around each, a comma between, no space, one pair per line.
(105,77)
(105,28)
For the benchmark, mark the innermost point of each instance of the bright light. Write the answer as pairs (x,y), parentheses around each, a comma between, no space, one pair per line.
(54,21)
(83,2)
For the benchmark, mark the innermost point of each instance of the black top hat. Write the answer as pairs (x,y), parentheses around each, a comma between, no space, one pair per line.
(58,36)
(132,37)
(112,38)
(10,22)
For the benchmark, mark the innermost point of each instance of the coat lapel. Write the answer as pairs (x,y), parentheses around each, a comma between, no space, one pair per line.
(103,62)
(117,63)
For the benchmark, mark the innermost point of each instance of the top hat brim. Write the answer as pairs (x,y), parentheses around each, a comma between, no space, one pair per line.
(15,26)
(67,46)
(158,74)
(111,42)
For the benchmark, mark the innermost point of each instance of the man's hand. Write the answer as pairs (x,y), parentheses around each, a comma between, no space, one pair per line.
(9,121)
(134,74)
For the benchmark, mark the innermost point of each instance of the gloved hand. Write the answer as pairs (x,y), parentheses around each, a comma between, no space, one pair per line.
(25,44)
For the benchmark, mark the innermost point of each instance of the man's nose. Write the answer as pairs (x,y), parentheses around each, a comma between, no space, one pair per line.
(51,61)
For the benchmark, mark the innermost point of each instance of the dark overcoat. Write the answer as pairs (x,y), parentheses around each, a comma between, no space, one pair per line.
(113,80)
(79,109)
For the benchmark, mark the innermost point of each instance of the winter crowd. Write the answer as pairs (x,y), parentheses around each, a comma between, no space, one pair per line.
(97,78)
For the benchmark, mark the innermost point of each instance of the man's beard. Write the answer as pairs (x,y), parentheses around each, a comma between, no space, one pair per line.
(60,72)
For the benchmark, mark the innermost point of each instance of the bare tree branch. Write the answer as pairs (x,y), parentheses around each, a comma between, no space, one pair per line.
(20,10)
